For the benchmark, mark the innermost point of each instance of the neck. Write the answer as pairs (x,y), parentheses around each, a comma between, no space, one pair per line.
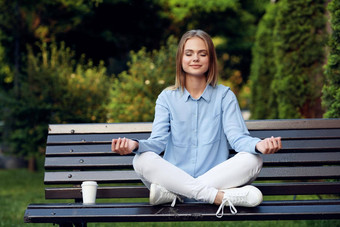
(195,85)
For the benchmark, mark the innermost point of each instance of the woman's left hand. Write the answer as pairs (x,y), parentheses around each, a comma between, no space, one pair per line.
(269,145)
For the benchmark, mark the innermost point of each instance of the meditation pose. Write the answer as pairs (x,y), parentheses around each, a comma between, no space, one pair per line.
(196,122)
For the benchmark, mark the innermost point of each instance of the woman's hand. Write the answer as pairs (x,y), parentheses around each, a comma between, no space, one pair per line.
(269,145)
(123,146)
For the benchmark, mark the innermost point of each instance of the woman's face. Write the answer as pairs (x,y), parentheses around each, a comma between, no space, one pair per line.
(195,60)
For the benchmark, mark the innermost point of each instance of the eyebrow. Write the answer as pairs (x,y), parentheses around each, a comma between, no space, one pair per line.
(190,50)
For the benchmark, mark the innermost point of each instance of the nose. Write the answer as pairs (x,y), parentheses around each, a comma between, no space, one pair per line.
(196,59)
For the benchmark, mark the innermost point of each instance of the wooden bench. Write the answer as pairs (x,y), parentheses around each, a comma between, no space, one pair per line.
(308,164)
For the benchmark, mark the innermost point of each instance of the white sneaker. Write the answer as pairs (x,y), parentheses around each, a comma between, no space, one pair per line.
(247,196)
(160,195)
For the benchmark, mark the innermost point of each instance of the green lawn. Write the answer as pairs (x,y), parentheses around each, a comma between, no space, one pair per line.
(20,187)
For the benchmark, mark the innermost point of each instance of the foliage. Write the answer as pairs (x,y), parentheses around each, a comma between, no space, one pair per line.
(135,91)
(25,22)
(55,89)
(5,70)
(299,37)
(181,9)
(297,56)
(263,68)
(114,28)
(331,89)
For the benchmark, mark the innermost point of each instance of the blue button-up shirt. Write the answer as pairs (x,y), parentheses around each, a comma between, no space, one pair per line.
(194,133)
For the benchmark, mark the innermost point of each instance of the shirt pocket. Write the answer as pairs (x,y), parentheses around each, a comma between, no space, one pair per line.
(180,134)
(210,130)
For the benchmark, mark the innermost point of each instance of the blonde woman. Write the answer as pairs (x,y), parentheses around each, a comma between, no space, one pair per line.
(196,123)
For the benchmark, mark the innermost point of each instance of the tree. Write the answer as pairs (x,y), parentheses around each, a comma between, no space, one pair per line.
(114,28)
(134,92)
(331,89)
(56,88)
(299,37)
(26,22)
(298,52)
(263,102)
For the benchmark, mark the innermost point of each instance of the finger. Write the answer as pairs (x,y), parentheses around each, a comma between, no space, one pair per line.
(126,144)
(118,144)
(122,143)
(266,146)
(279,142)
(113,145)
(123,147)
(269,146)
(274,145)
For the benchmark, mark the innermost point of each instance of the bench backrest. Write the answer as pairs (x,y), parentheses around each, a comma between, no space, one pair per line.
(80,152)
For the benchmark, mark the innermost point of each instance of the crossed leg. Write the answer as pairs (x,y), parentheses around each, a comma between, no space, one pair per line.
(239,170)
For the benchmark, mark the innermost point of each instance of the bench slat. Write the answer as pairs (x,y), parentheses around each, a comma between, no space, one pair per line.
(82,149)
(97,162)
(287,188)
(298,134)
(284,134)
(99,128)
(59,139)
(292,124)
(86,162)
(147,127)
(182,212)
(272,173)
(79,149)
(76,177)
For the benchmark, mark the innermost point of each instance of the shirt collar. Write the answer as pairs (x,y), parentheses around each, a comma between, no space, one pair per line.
(206,94)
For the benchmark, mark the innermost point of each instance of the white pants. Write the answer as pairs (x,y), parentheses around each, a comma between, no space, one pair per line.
(239,170)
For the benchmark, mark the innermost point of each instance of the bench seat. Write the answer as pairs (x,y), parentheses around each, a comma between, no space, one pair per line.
(135,212)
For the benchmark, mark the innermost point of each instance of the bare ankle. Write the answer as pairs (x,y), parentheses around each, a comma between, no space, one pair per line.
(219,198)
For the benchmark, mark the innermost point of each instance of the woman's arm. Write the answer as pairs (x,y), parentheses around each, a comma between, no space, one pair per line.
(159,136)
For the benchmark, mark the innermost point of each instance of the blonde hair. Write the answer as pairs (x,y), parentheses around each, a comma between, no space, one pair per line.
(211,74)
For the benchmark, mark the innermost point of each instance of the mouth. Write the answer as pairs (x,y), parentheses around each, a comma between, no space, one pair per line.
(195,66)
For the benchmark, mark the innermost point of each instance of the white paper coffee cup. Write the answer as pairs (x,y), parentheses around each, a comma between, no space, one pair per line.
(89,191)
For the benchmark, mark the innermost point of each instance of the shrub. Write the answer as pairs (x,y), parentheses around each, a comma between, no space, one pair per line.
(55,88)
(331,89)
(135,91)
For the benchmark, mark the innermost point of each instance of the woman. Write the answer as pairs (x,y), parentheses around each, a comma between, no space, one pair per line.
(196,121)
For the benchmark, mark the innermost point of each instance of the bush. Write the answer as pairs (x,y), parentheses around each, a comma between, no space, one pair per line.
(299,37)
(135,91)
(263,102)
(55,88)
(331,89)
(288,56)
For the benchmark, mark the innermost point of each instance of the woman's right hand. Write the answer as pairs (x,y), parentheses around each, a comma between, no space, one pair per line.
(123,146)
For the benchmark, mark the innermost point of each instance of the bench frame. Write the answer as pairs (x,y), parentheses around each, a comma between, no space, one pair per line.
(308,164)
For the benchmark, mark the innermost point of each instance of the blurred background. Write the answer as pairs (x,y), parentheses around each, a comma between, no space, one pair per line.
(83,61)
(105,61)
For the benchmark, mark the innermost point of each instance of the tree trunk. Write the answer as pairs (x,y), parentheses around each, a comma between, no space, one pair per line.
(32,164)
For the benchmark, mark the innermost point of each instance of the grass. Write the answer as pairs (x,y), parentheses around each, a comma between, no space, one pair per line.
(20,187)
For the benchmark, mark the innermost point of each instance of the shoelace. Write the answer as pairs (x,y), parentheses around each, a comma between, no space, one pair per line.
(174,200)
(220,211)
